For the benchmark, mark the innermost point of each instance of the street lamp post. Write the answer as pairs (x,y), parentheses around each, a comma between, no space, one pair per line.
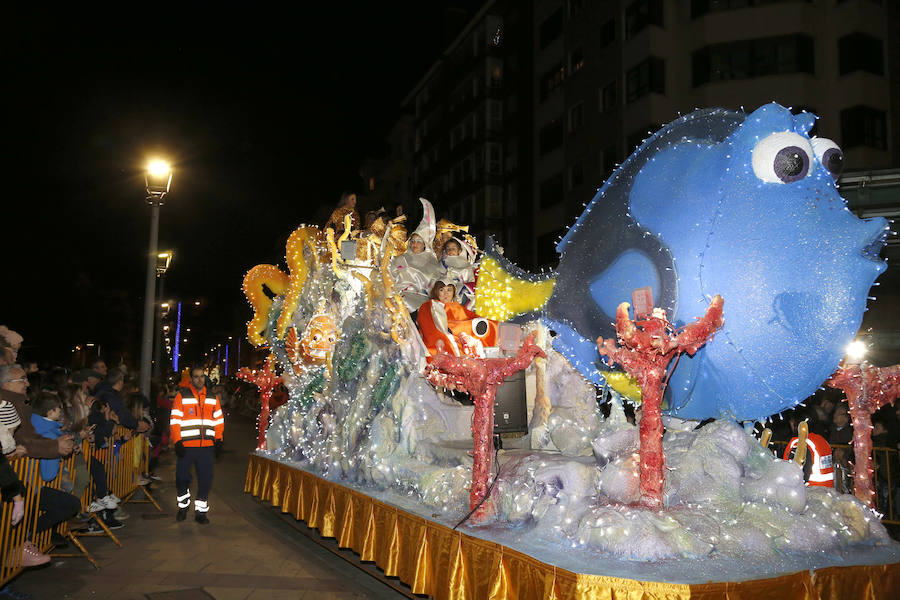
(163,261)
(158,179)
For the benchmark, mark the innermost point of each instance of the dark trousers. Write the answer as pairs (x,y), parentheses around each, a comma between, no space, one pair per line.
(98,476)
(57,506)
(202,460)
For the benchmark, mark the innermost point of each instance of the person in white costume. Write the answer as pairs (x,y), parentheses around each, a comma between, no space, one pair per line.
(416,269)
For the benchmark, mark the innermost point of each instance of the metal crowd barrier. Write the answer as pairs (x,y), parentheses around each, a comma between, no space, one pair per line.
(124,464)
(885,478)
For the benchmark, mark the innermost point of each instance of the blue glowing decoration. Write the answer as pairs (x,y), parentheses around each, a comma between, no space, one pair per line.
(176,354)
(742,205)
(226,360)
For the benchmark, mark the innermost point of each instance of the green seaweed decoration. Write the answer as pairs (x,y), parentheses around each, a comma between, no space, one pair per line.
(315,385)
(385,386)
(354,361)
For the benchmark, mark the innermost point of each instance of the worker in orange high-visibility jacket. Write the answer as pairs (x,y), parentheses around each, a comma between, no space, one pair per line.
(817,470)
(196,428)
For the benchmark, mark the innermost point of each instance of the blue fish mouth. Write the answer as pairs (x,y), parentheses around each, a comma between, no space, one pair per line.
(872,250)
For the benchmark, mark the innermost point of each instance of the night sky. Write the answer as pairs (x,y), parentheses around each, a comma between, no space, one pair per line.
(265,116)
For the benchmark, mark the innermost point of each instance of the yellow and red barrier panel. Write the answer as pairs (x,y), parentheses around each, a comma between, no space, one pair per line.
(124,467)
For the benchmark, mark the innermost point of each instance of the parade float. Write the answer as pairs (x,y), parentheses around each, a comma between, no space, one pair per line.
(748,277)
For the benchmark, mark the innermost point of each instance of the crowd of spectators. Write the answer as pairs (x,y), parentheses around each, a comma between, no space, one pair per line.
(47,415)
(828,415)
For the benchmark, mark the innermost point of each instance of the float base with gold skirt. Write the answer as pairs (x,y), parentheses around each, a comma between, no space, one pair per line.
(434,559)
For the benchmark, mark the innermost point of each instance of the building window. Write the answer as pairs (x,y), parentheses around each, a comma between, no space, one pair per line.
(551,28)
(576,175)
(645,77)
(494,156)
(576,60)
(546,247)
(607,33)
(641,14)
(575,7)
(863,126)
(576,117)
(494,115)
(753,58)
(371,184)
(860,52)
(552,79)
(551,136)
(608,97)
(493,202)
(551,191)
(609,158)
(701,7)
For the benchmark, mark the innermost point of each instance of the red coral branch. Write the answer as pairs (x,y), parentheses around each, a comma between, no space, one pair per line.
(645,351)
(867,389)
(266,380)
(480,377)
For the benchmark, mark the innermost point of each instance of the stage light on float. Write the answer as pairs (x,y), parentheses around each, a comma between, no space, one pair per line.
(855,352)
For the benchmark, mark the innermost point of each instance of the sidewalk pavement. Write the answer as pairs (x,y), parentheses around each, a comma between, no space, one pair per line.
(232,558)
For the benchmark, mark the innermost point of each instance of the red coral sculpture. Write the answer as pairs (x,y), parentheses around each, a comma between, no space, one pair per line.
(646,348)
(867,389)
(480,377)
(266,380)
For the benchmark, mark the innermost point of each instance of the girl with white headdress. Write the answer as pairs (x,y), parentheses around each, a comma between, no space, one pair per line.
(416,269)
(458,260)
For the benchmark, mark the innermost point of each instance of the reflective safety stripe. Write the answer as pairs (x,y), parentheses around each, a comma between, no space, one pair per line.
(187,495)
(177,413)
(189,401)
(217,414)
(211,432)
(215,422)
(190,433)
(192,422)
(210,401)
(185,500)
(175,421)
(820,477)
(201,506)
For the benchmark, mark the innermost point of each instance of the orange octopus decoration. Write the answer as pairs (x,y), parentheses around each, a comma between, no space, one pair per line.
(316,345)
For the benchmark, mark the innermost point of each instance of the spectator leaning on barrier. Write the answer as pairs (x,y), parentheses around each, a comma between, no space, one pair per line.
(110,392)
(55,504)
(13,386)
(196,427)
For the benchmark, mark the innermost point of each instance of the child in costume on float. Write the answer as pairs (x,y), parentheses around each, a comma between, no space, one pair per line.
(446,325)
(458,260)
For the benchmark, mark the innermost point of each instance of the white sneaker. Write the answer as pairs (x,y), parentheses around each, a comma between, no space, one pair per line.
(109,502)
(114,498)
(97,506)
(141,480)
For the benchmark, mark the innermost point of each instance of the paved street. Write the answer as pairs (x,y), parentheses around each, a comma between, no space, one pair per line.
(249,551)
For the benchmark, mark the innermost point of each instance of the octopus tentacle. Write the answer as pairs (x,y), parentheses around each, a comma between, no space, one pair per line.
(299,270)
(262,275)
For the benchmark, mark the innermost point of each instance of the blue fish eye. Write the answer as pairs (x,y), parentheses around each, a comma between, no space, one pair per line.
(791,164)
(829,154)
(783,157)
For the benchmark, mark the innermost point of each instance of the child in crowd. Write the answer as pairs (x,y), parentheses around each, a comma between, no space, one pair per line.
(56,505)
(103,419)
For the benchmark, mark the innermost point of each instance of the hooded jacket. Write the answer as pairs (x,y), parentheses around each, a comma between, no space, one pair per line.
(51,430)
(104,391)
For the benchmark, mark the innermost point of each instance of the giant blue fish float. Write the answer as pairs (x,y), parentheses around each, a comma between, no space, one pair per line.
(718,202)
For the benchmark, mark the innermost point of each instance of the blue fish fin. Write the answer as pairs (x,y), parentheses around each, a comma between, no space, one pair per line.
(631,270)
